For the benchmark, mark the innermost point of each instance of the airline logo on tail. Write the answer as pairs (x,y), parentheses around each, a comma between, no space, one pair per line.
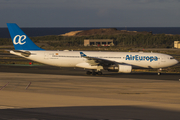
(19,39)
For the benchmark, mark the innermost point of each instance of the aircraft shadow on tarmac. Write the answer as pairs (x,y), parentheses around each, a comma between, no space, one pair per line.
(89,113)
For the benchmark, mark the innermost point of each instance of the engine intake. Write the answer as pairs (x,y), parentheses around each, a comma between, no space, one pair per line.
(125,68)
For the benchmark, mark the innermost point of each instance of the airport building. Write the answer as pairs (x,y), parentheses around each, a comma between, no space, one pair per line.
(177,44)
(98,42)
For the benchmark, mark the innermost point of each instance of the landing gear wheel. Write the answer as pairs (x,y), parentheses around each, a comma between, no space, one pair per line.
(159,71)
(88,72)
(93,73)
(99,73)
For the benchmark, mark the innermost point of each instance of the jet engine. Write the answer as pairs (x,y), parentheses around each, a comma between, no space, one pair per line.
(125,68)
(119,68)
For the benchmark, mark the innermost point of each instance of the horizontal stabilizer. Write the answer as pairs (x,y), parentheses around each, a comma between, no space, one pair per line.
(25,54)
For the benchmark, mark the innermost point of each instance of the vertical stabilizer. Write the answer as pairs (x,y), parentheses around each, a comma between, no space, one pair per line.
(20,40)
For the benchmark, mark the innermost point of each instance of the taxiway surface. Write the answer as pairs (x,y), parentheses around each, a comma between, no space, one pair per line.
(45,69)
(51,93)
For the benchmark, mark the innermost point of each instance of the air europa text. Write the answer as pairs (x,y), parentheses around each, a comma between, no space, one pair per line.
(141,58)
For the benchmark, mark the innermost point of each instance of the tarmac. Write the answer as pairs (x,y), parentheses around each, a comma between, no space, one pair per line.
(51,93)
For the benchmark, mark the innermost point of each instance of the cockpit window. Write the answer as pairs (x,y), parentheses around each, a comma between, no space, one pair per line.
(171,58)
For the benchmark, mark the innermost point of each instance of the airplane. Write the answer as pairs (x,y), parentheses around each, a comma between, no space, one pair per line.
(95,61)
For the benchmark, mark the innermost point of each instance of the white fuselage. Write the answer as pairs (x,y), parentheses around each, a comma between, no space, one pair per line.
(73,58)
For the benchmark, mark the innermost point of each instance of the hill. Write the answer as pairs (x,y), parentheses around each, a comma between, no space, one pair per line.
(104,31)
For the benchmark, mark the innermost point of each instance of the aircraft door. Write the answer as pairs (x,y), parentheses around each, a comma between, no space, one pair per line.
(46,55)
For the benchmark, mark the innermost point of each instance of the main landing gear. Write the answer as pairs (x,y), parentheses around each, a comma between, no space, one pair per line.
(94,73)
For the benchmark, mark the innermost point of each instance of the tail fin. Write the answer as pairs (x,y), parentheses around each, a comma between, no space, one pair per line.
(82,54)
(20,40)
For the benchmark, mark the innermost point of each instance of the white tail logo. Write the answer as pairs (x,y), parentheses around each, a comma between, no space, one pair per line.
(20,40)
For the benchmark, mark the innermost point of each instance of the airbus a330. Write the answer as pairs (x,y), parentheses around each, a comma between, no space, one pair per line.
(95,61)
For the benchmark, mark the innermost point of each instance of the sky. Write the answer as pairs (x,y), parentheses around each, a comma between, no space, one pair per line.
(90,13)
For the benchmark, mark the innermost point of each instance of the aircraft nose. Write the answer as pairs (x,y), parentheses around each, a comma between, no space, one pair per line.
(176,61)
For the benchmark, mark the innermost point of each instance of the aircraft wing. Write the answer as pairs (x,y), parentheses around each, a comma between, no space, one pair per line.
(97,61)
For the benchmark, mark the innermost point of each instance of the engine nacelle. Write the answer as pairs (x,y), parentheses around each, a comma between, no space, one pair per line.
(125,68)
(119,68)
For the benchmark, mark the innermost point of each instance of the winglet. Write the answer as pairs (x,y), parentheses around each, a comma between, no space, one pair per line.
(20,40)
(82,54)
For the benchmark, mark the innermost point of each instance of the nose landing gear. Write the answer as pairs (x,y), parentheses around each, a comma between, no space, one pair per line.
(159,71)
